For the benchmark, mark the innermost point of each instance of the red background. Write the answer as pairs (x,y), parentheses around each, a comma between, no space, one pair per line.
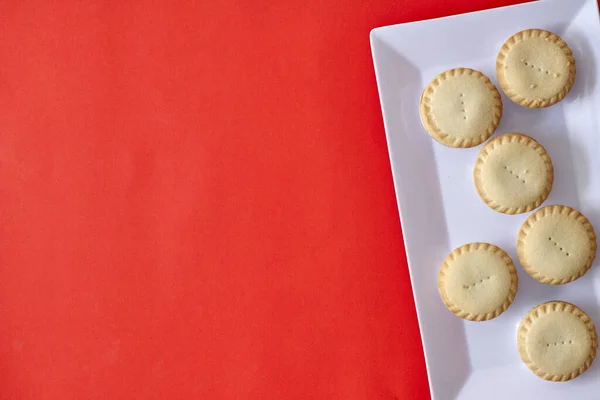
(196,202)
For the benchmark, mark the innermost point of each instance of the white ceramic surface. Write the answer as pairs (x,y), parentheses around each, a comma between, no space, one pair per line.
(440,209)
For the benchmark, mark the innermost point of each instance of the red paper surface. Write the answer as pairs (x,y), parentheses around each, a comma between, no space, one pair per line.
(196,203)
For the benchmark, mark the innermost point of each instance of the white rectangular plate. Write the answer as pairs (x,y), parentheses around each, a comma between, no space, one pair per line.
(440,209)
